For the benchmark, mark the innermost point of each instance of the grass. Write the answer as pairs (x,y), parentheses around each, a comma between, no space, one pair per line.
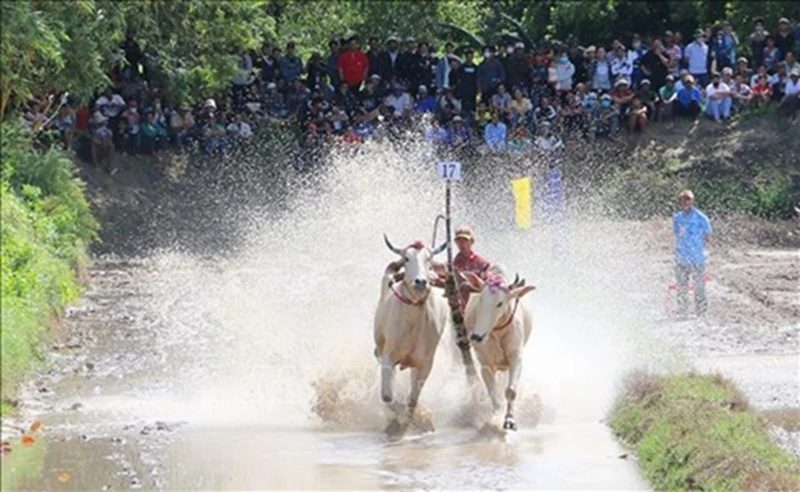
(45,227)
(698,432)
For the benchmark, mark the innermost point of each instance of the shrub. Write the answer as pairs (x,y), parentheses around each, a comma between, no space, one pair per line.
(46,226)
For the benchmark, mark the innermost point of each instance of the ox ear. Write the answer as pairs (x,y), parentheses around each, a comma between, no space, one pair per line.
(521,291)
(473,281)
(438,250)
(391,247)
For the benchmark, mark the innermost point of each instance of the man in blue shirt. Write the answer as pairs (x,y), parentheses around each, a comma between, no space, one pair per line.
(691,228)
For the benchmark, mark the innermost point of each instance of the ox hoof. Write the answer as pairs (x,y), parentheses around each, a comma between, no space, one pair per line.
(395,428)
(509,424)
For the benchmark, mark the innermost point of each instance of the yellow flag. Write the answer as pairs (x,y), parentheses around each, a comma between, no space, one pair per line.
(522,202)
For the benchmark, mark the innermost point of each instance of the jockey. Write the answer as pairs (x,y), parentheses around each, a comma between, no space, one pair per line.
(466,260)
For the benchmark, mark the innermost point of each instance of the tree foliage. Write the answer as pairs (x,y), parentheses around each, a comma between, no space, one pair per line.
(54,46)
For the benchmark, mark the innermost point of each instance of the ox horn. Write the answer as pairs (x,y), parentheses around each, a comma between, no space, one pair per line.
(516,280)
(391,247)
(441,248)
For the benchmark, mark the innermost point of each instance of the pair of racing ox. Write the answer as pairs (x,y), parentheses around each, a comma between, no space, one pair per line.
(410,320)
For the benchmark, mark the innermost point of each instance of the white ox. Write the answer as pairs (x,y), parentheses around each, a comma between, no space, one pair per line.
(499,326)
(409,320)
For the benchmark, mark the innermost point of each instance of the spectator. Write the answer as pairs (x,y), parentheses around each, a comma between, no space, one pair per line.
(399,101)
(291,66)
(483,115)
(353,65)
(789,63)
(743,68)
(621,64)
(548,140)
(65,124)
(374,58)
(545,113)
(467,89)
(181,124)
(518,69)
(718,99)
(689,100)
(637,116)
(152,134)
(458,137)
(691,228)
(622,95)
(655,64)
(572,114)
(726,46)
(274,102)
(239,130)
(270,65)
(520,140)
(450,105)
(298,97)
(389,60)
(667,96)
(243,78)
(674,54)
(635,55)
(790,104)
(495,133)
(600,72)
(501,100)
(425,102)
(757,41)
(784,38)
(435,133)
(566,71)
(133,120)
(762,71)
(648,97)
(110,104)
(762,90)
(102,145)
(332,63)
(742,94)
(772,54)
(213,135)
(697,58)
(409,69)
(443,68)
(778,81)
(491,73)
(520,108)
(316,72)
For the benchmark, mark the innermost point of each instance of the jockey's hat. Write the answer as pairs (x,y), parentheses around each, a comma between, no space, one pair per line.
(464,232)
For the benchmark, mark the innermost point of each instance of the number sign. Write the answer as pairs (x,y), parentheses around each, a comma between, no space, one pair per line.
(448,171)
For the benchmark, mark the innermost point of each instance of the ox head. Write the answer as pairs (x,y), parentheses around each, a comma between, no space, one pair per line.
(494,301)
(416,261)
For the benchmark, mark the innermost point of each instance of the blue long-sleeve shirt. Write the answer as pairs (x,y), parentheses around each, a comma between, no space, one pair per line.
(691,229)
(495,135)
(686,96)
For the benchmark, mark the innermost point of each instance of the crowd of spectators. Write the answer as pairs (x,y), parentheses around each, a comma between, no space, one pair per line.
(514,98)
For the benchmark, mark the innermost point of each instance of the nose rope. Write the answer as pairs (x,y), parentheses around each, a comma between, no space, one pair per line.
(510,318)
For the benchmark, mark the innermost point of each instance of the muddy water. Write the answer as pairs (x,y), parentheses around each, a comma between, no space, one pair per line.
(254,370)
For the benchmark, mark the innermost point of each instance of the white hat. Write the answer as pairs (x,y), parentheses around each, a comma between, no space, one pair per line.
(210,103)
(520,45)
(422,88)
(457,118)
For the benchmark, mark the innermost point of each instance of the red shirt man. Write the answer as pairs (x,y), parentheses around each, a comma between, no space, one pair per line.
(466,260)
(353,65)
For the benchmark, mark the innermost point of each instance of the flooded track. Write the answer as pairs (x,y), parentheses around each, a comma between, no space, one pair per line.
(253,369)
